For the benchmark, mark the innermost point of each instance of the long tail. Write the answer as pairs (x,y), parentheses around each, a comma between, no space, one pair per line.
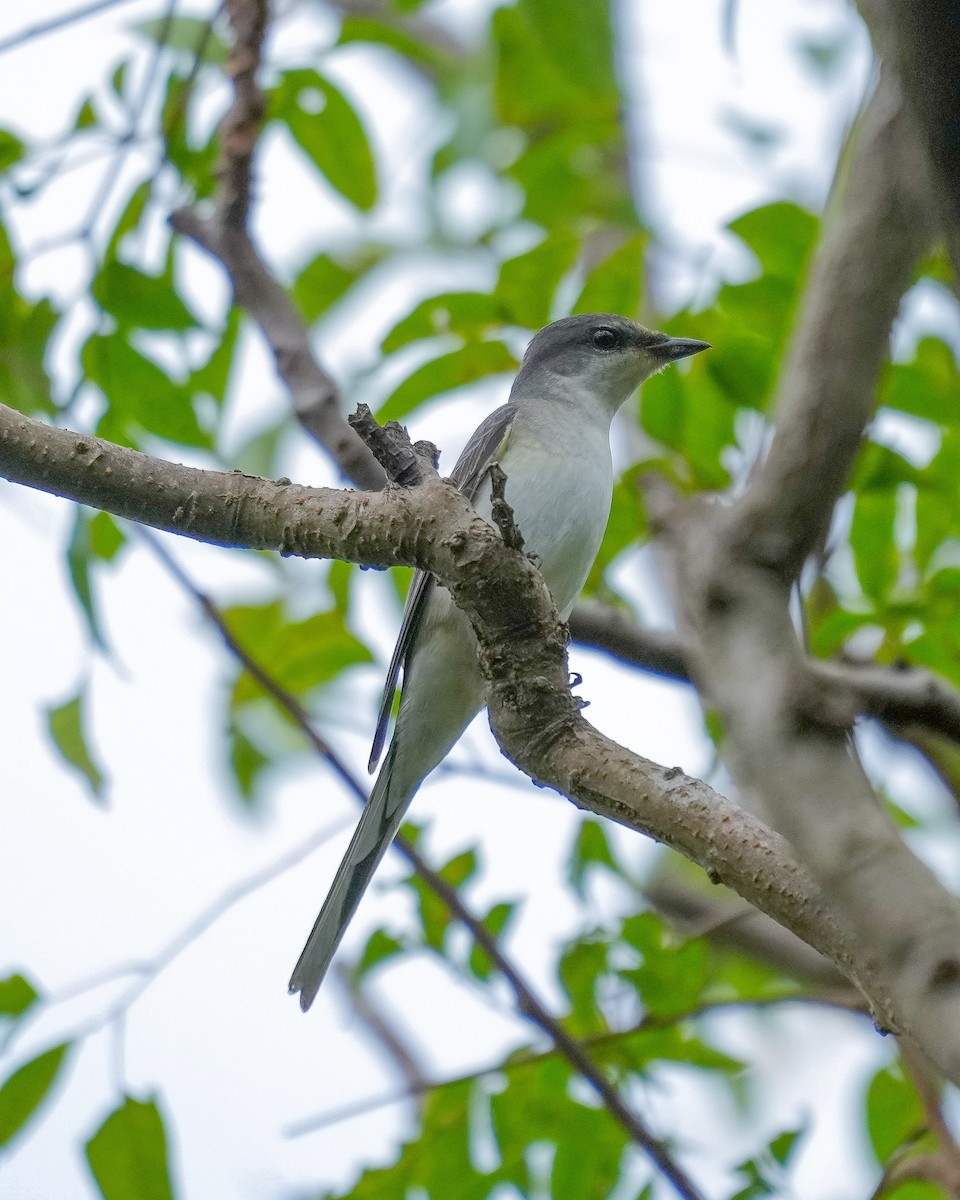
(379,823)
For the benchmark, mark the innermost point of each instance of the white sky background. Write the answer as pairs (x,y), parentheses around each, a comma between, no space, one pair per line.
(85,889)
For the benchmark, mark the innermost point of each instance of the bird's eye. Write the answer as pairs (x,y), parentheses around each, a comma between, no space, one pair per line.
(605,339)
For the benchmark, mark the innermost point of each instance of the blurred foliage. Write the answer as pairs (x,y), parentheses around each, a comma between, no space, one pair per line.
(128,1153)
(536,104)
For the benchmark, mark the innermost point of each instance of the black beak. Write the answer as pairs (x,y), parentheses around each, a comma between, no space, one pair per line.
(671,349)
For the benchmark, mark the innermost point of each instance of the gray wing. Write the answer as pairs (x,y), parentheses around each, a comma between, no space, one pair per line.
(486,446)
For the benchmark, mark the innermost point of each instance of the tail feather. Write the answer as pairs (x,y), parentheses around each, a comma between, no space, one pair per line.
(379,823)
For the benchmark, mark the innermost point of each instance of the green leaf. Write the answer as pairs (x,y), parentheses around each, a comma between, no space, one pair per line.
(469,314)
(11,150)
(829,633)
(581,966)
(574,176)
(460,868)
(591,848)
(320,285)
(534,88)
(475,360)
(614,285)
(672,977)
(26,1089)
(928,387)
(106,537)
(878,468)
(139,393)
(130,218)
(213,377)
(529,87)
(340,578)
(383,32)
(914,1189)
(302,655)
(588,1157)
(872,541)
(426,1165)
(435,917)
(496,920)
(578,40)
(894,1112)
(247,761)
(663,406)
(25,330)
(190,35)
(327,129)
(637,1051)
(528,282)
(135,299)
(380,946)
(938,499)
(86,117)
(80,550)
(16,995)
(195,162)
(128,1154)
(757,1186)
(66,725)
(783,1146)
(781,235)
(685,413)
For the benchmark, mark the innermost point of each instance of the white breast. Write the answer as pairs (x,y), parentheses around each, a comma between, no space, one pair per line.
(559,485)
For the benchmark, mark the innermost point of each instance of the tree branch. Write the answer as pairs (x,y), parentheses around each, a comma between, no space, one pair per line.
(529,1005)
(521,1059)
(225,235)
(532,713)
(919,40)
(786,735)
(827,392)
(901,697)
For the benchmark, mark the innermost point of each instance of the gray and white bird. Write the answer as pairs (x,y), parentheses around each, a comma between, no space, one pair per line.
(552,440)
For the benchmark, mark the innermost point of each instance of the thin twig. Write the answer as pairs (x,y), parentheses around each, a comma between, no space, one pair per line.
(226,236)
(384,1031)
(42,28)
(286,700)
(128,138)
(149,971)
(897,696)
(240,128)
(501,512)
(528,1003)
(519,1060)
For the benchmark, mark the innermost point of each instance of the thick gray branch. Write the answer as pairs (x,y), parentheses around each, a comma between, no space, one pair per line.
(920,40)
(786,736)
(870,247)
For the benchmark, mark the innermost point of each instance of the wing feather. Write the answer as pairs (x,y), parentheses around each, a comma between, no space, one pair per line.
(484,448)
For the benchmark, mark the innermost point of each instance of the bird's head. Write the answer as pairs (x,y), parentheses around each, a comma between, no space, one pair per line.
(601,353)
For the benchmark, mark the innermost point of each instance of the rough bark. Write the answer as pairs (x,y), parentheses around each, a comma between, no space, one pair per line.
(786,734)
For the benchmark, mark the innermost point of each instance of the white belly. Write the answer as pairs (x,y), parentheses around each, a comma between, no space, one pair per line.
(560,508)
